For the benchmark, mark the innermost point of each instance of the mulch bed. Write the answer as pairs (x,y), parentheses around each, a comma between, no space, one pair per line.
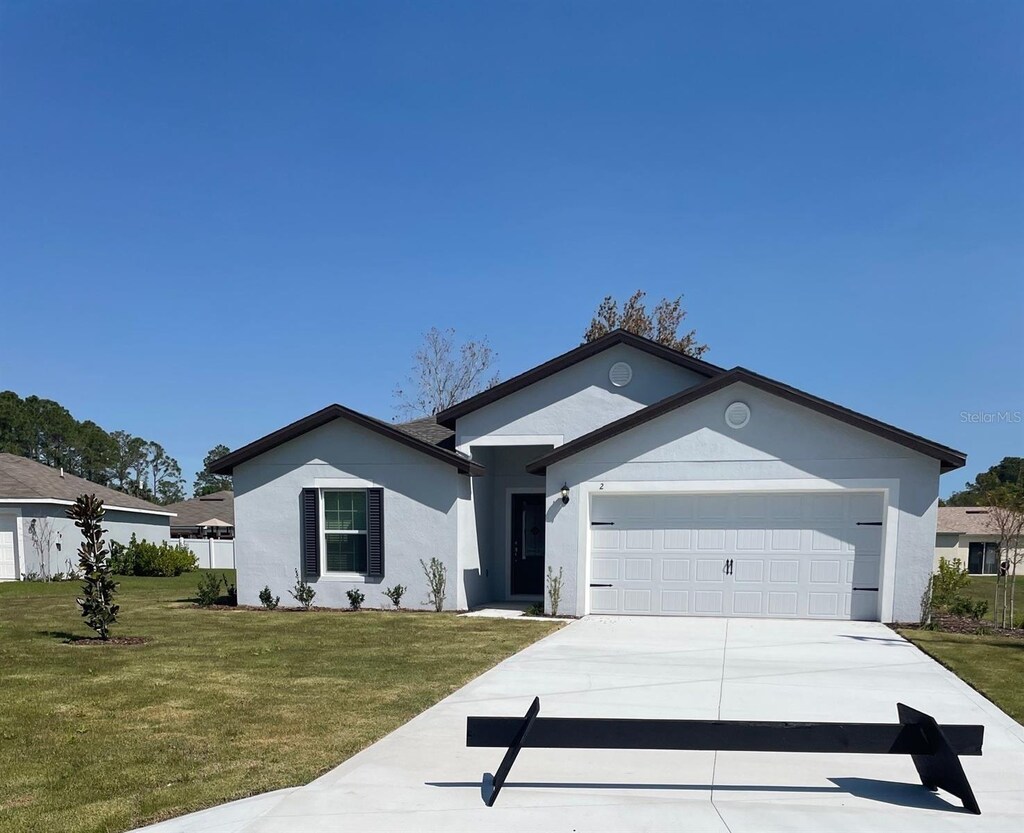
(114,640)
(948,623)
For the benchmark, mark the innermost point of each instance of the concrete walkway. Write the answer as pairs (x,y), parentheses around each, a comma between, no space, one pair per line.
(421,777)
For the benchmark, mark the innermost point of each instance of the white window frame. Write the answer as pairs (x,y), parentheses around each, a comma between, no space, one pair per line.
(337,575)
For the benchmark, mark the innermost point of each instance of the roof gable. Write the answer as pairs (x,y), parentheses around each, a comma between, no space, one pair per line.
(949,458)
(449,416)
(226,464)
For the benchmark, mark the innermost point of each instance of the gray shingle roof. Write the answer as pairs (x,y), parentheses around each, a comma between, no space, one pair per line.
(29,480)
(426,429)
(198,510)
(968,520)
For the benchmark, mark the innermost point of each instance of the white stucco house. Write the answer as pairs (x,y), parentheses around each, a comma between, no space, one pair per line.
(655,483)
(35,498)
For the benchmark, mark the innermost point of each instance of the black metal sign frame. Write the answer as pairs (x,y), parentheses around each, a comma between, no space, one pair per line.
(934,749)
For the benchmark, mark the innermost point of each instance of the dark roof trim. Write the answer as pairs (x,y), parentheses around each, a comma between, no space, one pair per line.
(950,458)
(226,464)
(448,416)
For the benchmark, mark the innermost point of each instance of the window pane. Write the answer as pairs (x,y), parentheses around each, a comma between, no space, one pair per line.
(346,553)
(345,510)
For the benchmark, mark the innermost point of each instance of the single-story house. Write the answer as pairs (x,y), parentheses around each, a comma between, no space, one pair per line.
(967,534)
(649,481)
(36,535)
(208,516)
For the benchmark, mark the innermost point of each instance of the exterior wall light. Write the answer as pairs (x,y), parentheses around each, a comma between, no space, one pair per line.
(565,493)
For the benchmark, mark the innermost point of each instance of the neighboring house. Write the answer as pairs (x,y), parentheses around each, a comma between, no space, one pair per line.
(652,482)
(968,534)
(35,498)
(209,516)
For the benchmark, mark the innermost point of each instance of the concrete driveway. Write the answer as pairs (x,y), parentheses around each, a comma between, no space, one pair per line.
(422,777)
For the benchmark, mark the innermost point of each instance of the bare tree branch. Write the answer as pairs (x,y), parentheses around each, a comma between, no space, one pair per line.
(444,374)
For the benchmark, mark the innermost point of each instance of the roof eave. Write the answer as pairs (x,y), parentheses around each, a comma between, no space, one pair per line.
(950,459)
(227,463)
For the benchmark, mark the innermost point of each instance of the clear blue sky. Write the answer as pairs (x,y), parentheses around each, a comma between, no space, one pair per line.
(217,217)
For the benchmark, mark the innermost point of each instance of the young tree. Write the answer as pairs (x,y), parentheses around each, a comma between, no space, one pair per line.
(98,589)
(444,373)
(41,532)
(206,483)
(1006,513)
(660,324)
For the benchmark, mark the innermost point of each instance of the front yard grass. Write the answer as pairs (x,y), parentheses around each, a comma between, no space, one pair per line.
(983,588)
(218,705)
(994,665)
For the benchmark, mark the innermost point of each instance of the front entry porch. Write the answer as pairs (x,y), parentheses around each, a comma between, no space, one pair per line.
(508,527)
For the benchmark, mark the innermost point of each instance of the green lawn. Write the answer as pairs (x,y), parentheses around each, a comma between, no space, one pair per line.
(218,705)
(984,588)
(994,665)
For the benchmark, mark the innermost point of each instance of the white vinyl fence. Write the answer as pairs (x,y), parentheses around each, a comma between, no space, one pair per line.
(210,552)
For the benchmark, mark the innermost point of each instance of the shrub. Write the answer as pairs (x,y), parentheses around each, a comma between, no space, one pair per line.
(554,589)
(97,599)
(437,582)
(355,598)
(268,599)
(395,594)
(209,588)
(33,575)
(232,592)
(143,558)
(536,609)
(302,592)
(949,584)
(963,606)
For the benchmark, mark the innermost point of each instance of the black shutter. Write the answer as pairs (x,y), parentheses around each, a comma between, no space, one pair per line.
(310,533)
(375,532)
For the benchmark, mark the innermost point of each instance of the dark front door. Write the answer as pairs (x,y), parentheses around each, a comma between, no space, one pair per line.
(527,545)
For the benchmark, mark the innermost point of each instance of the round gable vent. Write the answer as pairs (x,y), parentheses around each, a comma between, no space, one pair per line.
(620,374)
(737,415)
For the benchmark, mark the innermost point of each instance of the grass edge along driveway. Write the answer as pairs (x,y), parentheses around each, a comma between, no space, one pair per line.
(992,665)
(218,705)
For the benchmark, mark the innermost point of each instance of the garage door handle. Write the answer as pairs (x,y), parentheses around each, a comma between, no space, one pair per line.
(602,523)
(602,585)
(869,523)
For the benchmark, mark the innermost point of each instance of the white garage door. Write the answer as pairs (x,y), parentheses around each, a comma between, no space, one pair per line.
(8,530)
(778,554)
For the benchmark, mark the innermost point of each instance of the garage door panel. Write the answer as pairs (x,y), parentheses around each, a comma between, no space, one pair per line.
(678,539)
(711,539)
(638,569)
(675,569)
(636,601)
(675,601)
(747,603)
(791,555)
(708,602)
(748,570)
(605,569)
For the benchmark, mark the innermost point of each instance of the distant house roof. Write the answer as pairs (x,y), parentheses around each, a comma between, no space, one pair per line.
(197,511)
(403,435)
(27,481)
(966,520)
